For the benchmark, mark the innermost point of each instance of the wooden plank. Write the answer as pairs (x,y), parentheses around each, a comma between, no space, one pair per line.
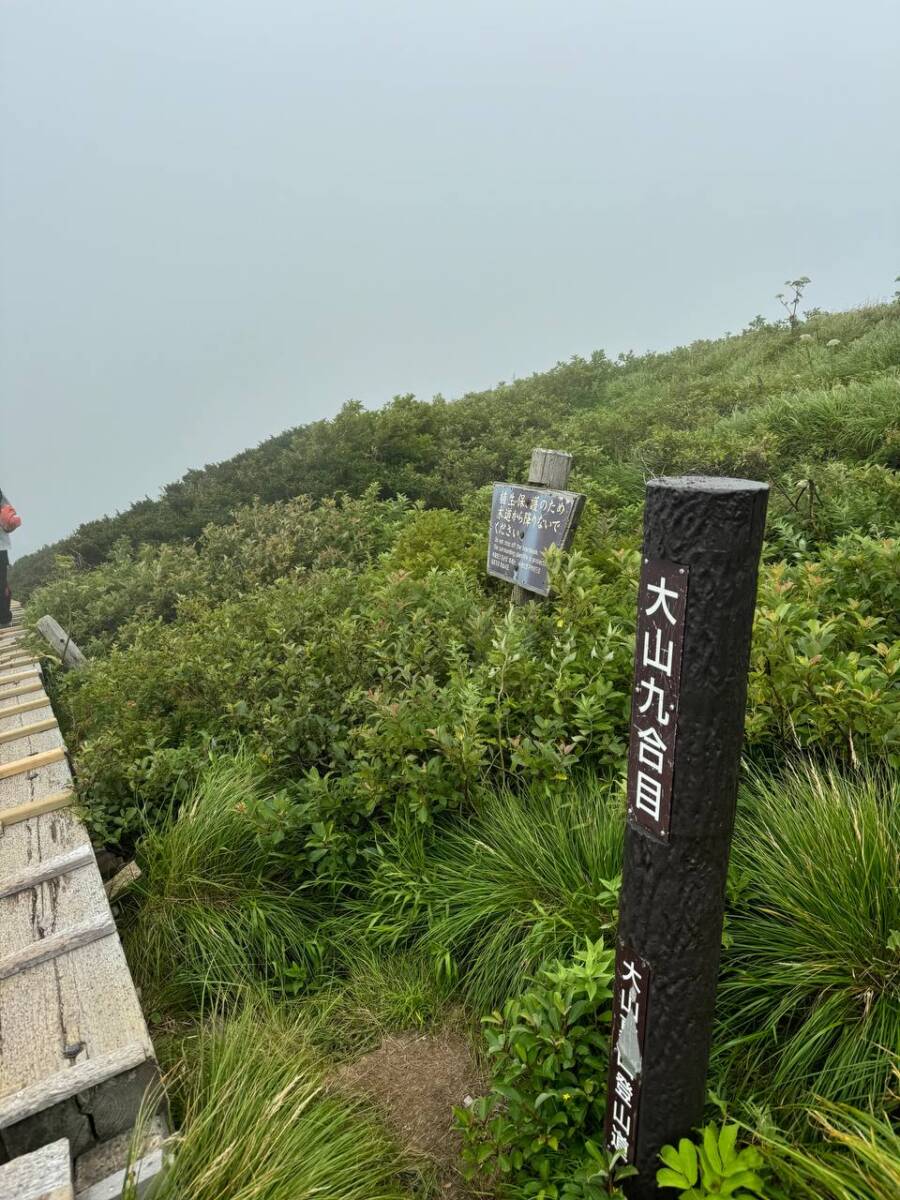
(15,660)
(140,1175)
(25,690)
(61,642)
(16,710)
(24,731)
(18,676)
(50,868)
(49,740)
(20,765)
(51,947)
(93,1071)
(129,874)
(35,808)
(67,1020)
(72,1008)
(45,1174)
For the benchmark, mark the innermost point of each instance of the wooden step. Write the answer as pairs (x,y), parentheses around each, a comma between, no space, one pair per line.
(16,710)
(18,676)
(88,1074)
(45,1174)
(20,765)
(24,690)
(26,731)
(46,948)
(35,808)
(50,868)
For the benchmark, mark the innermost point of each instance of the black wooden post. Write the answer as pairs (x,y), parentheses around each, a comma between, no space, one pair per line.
(702,542)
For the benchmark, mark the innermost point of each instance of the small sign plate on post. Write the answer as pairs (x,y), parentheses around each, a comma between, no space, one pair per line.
(631,994)
(525,523)
(662,599)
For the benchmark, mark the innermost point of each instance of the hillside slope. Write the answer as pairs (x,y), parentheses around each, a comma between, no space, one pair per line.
(756,403)
(371,798)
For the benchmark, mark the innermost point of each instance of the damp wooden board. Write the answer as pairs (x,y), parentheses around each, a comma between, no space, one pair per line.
(45,1174)
(82,1000)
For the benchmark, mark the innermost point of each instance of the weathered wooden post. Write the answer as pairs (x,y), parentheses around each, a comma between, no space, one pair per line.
(549,469)
(697,592)
(61,642)
(527,519)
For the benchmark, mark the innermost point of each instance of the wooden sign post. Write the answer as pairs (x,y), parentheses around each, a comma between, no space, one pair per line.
(527,520)
(697,593)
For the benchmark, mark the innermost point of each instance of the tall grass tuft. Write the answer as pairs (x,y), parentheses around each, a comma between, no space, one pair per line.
(519,883)
(258,1125)
(209,914)
(856,1156)
(810,999)
(383,991)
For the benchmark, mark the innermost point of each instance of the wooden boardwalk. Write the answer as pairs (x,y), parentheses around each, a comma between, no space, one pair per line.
(75,1055)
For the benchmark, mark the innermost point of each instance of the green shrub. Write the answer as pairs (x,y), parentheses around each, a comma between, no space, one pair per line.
(131,587)
(816,503)
(267,542)
(536,1132)
(826,655)
(261,544)
(375,692)
(367,693)
(810,999)
(437,538)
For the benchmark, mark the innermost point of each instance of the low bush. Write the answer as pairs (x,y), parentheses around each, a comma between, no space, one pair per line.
(538,1131)
(825,659)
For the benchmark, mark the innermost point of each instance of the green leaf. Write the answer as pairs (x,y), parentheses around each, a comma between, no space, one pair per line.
(743,1179)
(670,1157)
(727,1139)
(665,1177)
(687,1155)
(711,1149)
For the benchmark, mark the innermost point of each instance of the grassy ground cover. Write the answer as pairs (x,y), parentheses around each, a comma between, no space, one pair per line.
(375,807)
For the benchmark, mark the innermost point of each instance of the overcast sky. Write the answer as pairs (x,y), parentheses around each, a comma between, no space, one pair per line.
(219,218)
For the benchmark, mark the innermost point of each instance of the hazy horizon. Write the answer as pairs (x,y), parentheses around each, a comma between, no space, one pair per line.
(222,220)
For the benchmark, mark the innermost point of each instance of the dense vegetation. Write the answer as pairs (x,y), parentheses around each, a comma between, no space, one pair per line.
(762,402)
(367,795)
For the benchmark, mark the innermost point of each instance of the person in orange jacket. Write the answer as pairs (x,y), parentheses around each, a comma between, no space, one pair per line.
(5,594)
